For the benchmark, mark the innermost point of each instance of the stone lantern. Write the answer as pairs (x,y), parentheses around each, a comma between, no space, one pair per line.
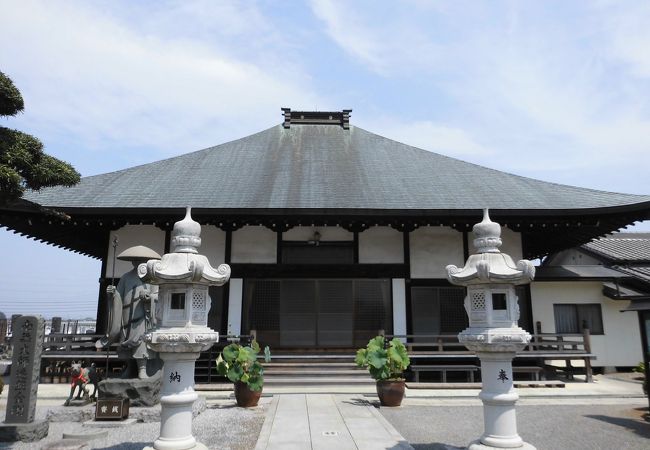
(491,304)
(184,277)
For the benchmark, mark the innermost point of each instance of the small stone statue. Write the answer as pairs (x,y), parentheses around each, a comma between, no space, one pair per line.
(81,377)
(132,312)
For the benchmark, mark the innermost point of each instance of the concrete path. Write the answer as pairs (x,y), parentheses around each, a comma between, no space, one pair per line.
(326,421)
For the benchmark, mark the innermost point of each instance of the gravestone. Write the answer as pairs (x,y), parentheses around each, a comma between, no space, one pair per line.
(27,340)
(14,317)
(56,325)
(3,328)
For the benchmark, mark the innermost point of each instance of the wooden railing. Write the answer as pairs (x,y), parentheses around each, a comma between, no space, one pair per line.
(542,347)
(75,346)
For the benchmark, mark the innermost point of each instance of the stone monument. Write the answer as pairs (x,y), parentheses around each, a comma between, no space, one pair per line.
(19,424)
(491,304)
(184,277)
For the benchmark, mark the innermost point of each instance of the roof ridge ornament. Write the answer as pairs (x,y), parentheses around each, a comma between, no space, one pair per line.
(341,118)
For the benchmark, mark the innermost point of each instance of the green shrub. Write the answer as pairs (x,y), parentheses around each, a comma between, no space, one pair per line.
(384,362)
(640,368)
(239,363)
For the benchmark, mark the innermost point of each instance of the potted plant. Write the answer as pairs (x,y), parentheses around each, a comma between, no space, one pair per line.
(386,362)
(240,364)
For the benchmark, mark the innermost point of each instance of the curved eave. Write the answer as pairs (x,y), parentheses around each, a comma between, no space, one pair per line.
(86,230)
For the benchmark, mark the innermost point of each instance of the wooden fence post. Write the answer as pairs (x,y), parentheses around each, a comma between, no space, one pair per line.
(586,335)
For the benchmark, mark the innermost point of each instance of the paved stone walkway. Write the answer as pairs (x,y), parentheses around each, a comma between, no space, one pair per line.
(326,421)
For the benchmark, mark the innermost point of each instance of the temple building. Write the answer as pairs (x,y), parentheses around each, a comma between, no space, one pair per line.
(332,232)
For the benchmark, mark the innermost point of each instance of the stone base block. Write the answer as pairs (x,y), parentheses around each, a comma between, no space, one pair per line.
(89,436)
(26,432)
(478,445)
(81,402)
(140,392)
(140,414)
(67,444)
(110,423)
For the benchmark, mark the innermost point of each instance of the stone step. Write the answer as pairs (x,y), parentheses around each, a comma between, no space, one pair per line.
(277,381)
(297,365)
(312,357)
(314,373)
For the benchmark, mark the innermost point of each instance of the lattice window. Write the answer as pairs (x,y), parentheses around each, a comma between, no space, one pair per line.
(198,301)
(198,307)
(478,301)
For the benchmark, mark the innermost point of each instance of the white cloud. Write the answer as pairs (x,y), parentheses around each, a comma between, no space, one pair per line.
(561,93)
(387,47)
(435,137)
(97,77)
(628,33)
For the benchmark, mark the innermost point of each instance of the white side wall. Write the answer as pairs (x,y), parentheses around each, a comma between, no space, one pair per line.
(128,236)
(432,249)
(326,234)
(573,257)
(235,296)
(381,245)
(254,244)
(399,306)
(621,343)
(213,244)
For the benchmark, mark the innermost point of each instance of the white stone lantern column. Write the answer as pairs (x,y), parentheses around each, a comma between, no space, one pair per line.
(491,305)
(184,277)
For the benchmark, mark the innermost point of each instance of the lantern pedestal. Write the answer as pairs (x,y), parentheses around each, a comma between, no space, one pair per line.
(496,348)
(179,350)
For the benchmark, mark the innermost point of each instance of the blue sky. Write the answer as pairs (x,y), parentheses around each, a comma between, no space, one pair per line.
(554,90)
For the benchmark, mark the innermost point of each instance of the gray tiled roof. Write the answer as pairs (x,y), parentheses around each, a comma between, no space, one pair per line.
(640,272)
(622,247)
(321,166)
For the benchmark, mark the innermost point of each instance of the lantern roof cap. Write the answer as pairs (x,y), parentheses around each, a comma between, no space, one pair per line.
(489,265)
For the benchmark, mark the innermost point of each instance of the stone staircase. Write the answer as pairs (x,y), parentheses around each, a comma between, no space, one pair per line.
(323,369)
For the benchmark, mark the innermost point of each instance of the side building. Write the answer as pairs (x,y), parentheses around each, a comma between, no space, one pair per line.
(598,285)
(332,232)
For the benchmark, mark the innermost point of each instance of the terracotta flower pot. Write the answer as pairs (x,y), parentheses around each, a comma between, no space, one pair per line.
(390,392)
(246,398)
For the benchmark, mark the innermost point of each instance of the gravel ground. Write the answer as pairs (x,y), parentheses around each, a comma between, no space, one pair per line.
(546,427)
(223,427)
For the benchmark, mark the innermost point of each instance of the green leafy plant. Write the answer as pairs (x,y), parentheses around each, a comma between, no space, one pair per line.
(240,363)
(640,368)
(384,362)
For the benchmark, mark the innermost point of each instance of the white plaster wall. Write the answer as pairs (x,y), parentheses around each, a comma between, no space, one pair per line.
(381,245)
(573,257)
(621,343)
(399,306)
(213,244)
(128,236)
(326,234)
(254,244)
(432,249)
(236,291)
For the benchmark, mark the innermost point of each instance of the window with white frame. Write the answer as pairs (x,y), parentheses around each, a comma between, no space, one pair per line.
(572,318)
